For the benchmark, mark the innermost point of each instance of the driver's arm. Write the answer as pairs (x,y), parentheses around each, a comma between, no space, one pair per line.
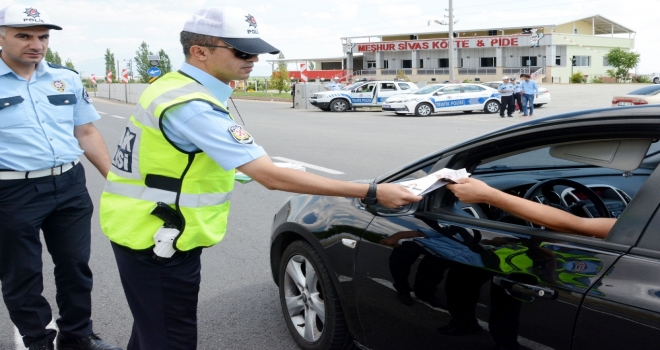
(473,191)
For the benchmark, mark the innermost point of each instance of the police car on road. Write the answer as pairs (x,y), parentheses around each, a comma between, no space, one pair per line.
(361,94)
(445,98)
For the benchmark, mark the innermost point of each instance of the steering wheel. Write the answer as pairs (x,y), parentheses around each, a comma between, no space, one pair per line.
(546,188)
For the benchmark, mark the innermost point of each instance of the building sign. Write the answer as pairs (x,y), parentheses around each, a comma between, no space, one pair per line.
(443,44)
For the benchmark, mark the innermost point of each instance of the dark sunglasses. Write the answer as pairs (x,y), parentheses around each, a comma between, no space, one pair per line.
(238,53)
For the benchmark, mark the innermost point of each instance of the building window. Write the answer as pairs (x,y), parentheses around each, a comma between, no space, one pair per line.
(488,61)
(575,31)
(558,60)
(371,64)
(461,63)
(421,63)
(606,63)
(443,62)
(526,61)
(582,61)
(406,63)
(386,64)
(492,32)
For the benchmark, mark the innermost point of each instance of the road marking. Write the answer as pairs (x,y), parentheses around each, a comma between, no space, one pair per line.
(311,166)
(116,116)
(99,112)
(18,339)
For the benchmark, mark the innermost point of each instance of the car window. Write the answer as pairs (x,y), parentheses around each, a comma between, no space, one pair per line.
(536,159)
(647,91)
(428,89)
(404,86)
(472,88)
(452,89)
(387,87)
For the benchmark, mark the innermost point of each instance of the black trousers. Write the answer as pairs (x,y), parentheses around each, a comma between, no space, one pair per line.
(60,206)
(517,97)
(162,296)
(507,104)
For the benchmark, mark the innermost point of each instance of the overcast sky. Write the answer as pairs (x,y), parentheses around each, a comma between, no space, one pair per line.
(312,29)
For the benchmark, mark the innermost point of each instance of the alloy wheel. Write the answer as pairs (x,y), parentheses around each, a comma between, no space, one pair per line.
(304,298)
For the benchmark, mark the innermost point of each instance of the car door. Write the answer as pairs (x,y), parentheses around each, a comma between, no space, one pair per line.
(449,98)
(364,95)
(623,309)
(475,96)
(385,90)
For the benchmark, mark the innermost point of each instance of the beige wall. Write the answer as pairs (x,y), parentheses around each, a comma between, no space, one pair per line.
(583,28)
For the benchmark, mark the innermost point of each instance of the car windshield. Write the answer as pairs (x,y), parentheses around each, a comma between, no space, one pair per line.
(428,90)
(647,91)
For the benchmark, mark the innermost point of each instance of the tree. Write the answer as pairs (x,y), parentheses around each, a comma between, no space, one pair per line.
(110,64)
(280,78)
(69,64)
(165,64)
(622,61)
(53,57)
(142,64)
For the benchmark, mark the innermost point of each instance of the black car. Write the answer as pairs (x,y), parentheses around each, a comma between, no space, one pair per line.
(444,274)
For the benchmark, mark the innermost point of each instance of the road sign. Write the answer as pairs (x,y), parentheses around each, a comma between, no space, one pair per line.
(154,72)
(124,76)
(109,76)
(93,77)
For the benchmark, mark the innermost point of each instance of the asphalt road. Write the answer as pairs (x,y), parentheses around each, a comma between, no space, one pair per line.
(239,306)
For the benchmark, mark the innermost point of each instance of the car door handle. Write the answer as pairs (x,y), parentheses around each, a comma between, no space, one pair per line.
(523,291)
(351,243)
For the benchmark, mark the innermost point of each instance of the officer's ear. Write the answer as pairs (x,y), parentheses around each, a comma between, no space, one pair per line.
(200,53)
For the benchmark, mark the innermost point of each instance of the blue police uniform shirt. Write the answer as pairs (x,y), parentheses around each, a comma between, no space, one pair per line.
(517,87)
(530,87)
(334,86)
(505,86)
(37,117)
(197,126)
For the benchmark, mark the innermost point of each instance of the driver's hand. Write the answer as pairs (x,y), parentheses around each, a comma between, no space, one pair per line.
(471,191)
(394,195)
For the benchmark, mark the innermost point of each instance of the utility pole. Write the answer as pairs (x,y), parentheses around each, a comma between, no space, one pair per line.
(450,48)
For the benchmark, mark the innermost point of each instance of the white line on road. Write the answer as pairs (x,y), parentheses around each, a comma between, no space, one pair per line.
(116,116)
(99,112)
(18,339)
(311,166)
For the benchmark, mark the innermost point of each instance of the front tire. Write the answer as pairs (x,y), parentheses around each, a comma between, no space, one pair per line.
(310,304)
(339,105)
(423,110)
(656,80)
(492,106)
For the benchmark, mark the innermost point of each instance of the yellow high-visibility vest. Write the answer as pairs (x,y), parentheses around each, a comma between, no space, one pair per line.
(147,168)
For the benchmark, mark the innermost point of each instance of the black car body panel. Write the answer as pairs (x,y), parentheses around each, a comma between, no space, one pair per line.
(524,285)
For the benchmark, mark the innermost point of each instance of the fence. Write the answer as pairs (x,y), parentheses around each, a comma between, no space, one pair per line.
(129,93)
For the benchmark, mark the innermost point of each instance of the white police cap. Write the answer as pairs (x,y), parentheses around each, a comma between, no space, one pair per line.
(18,15)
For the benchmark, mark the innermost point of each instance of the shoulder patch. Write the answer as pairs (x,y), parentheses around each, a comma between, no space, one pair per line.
(57,66)
(240,135)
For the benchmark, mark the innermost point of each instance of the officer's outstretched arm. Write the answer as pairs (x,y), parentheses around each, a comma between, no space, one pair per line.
(474,191)
(272,177)
(92,143)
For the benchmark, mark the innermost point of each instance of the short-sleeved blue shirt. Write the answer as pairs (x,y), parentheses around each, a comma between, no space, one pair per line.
(508,87)
(197,126)
(37,117)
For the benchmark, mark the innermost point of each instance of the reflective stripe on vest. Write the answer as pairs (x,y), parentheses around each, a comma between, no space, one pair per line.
(192,183)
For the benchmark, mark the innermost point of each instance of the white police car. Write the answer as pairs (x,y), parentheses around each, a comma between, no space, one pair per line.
(360,94)
(445,98)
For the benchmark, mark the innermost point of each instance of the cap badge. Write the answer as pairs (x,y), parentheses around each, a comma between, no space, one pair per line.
(59,85)
(252,22)
(31,12)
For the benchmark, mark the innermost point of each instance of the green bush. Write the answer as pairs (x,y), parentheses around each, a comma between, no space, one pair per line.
(642,79)
(467,81)
(596,80)
(578,78)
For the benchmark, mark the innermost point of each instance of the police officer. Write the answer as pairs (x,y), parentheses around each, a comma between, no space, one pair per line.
(334,85)
(177,156)
(506,97)
(45,125)
(516,93)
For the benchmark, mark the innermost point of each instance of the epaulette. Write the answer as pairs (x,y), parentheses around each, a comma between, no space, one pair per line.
(58,66)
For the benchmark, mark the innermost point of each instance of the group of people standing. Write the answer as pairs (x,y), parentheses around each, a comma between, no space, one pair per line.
(521,93)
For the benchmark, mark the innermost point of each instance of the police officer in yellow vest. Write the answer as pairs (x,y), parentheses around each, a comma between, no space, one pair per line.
(180,149)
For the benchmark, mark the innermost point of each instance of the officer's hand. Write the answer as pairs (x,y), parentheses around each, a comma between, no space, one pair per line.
(393,195)
(471,191)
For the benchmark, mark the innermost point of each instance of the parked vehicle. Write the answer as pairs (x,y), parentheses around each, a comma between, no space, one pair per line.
(360,94)
(646,95)
(445,98)
(542,99)
(344,267)
(655,78)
